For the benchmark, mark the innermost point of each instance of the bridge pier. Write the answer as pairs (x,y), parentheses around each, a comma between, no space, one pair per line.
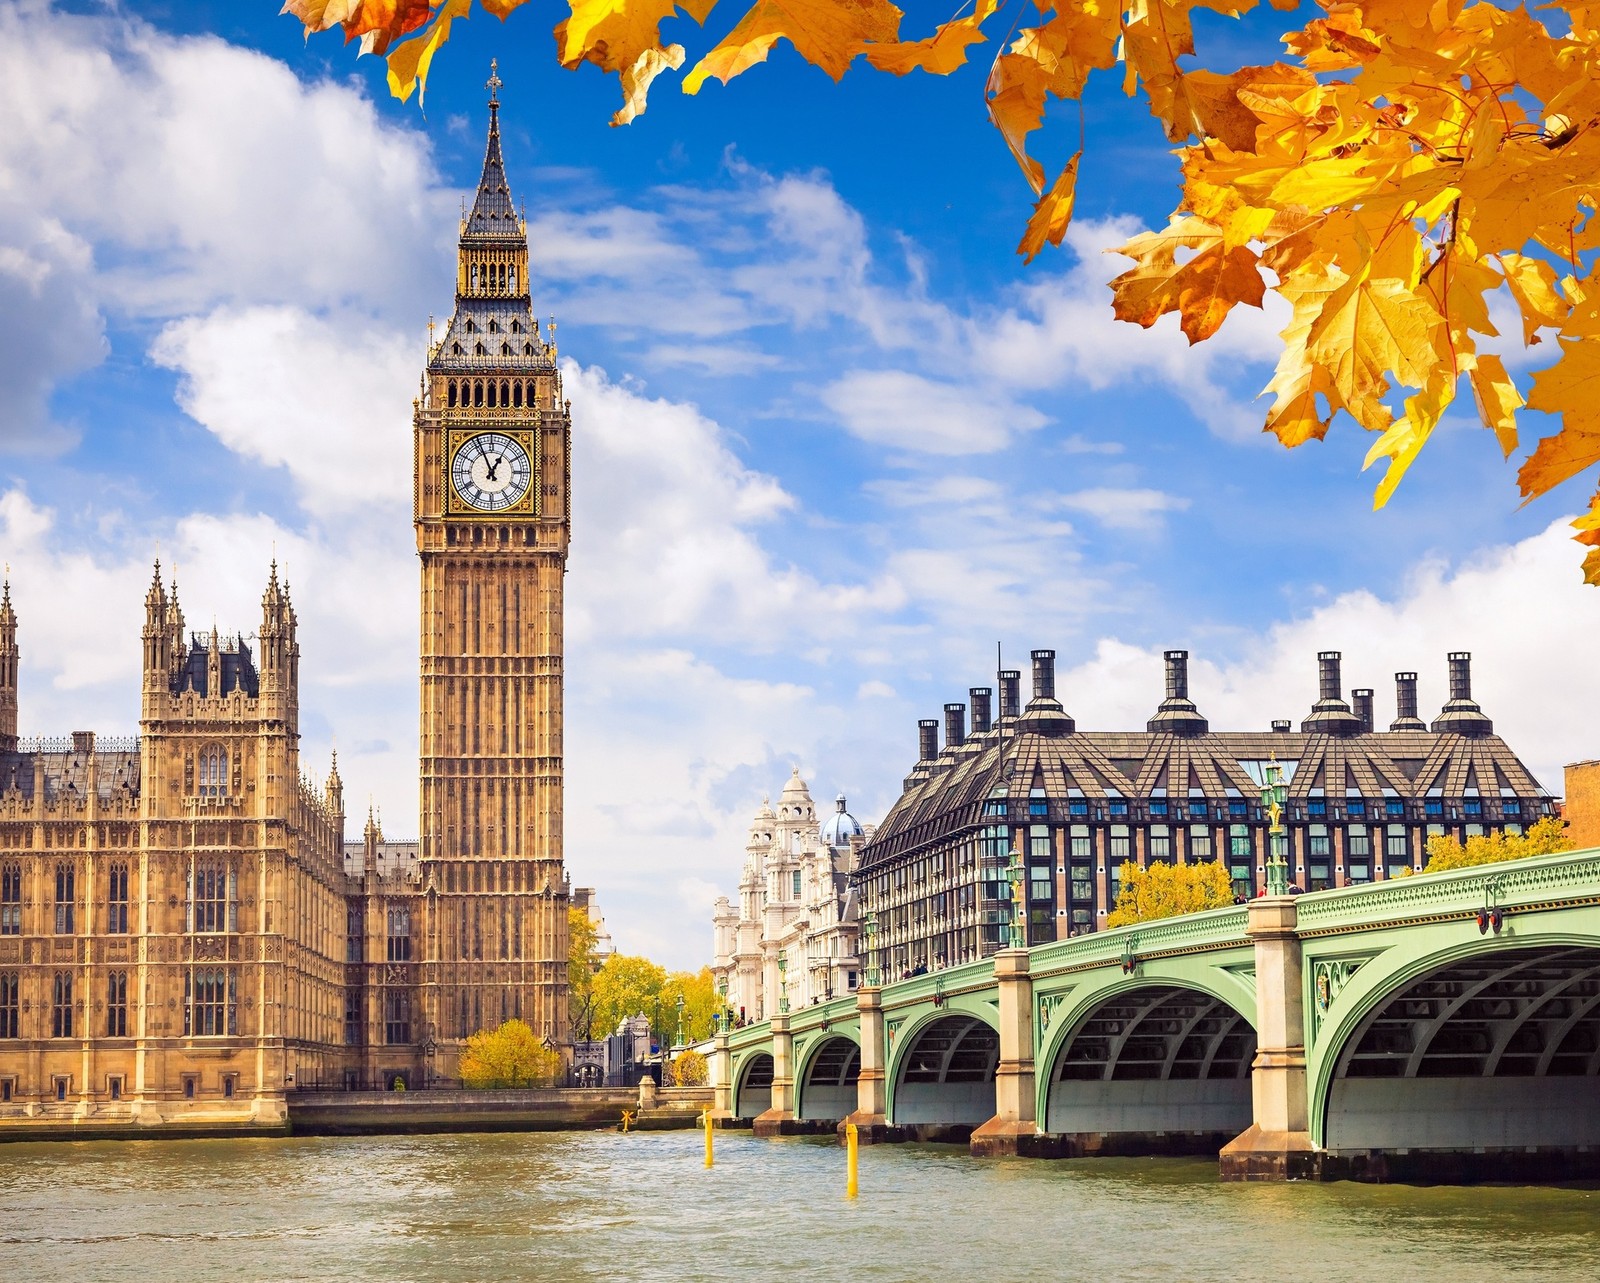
(872,1084)
(1014,1116)
(779,1120)
(721,1077)
(1277,1145)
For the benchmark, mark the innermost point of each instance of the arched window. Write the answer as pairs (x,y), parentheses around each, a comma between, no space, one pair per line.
(516,395)
(513,289)
(516,326)
(494,326)
(452,393)
(479,350)
(455,349)
(491,396)
(477,393)
(505,394)
(472,281)
(213,771)
(527,349)
(505,349)
(472,327)
(213,897)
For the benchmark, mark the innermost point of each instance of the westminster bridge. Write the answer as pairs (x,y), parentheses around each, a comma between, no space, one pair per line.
(1442,1026)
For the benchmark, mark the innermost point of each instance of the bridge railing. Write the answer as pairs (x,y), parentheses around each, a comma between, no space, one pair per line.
(1207,930)
(1511,884)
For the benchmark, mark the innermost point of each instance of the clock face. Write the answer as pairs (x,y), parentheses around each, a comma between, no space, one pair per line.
(491,472)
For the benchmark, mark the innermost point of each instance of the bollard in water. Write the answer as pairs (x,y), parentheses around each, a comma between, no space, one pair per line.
(706,1119)
(851,1159)
(627,1120)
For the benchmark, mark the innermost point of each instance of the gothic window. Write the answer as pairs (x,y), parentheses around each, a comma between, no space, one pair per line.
(117,899)
(210,1003)
(61,1005)
(396,1017)
(213,898)
(452,401)
(516,325)
(480,350)
(10,988)
(513,280)
(494,326)
(10,900)
(505,388)
(400,935)
(213,771)
(477,393)
(472,283)
(352,1017)
(472,327)
(527,349)
(66,881)
(505,350)
(117,1004)
(516,392)
(455,349)
(354,945)
(492,398)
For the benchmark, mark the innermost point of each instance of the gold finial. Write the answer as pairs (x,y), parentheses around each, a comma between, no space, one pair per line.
(494,82)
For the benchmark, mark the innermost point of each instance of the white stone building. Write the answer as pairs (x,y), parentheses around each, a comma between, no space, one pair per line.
(792,935)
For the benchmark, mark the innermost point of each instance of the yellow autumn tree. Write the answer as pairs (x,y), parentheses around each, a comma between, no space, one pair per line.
(510,1056)
(689,1069)
(1403,167)
(582,936)
(1167,890)
(1544,838)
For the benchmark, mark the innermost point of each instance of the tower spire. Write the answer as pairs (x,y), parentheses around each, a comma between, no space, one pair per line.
(494,214)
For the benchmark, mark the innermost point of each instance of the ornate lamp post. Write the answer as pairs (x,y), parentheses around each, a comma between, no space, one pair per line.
(783,984)
(1273,795)
(680,1020)
(869,933)
(1019,906)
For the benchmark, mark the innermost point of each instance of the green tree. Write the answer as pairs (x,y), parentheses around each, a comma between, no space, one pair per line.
(689,1069)
(510,1056)
(628,986)
(699,994)
(1544,838)
(581,966)
(1167,890)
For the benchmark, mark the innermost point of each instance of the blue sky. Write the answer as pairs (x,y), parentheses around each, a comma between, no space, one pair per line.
(833,440)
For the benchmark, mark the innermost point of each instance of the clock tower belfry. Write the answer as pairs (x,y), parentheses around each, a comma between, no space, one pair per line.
(493,439)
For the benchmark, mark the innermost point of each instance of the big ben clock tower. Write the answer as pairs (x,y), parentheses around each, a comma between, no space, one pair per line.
(493,439)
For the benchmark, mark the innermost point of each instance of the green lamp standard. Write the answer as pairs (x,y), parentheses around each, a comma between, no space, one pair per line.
(869,933)
(783,984)
(680,1020)
(1273,795)
(1019,907)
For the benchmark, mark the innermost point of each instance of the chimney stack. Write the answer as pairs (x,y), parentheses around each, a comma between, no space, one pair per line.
(1280,725)
(1330,715)
(1461,715)
(1362,702)
(1010,693)
(1177,714)
(1044,715)
(955,725)
(1044,674)
(1405,704)
(982,719)
(927,739)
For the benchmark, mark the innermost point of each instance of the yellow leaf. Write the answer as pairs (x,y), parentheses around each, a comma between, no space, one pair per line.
(1498,399)
(408,62)
(378,23)
(1570,388)
(1533,286)
(1294,418)
(1401,443)
(1370,328)
(1203,289)
(942,52)
(636,79)
(1052,213)
(319,15)
(826,33)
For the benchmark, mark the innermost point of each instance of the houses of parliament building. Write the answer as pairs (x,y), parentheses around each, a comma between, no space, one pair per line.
(185,934)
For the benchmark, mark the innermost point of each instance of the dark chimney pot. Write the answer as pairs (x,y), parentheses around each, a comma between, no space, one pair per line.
(1044,674)
(1362,702)
(1328,674)
(955,725)
(1010,693)
(927,739)
(1460,674)
(982,718)
(1177,674)
(1280,725)
(1405,703)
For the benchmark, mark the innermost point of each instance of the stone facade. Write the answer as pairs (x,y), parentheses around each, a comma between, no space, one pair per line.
(792,940)
(1075,805)
(171,906)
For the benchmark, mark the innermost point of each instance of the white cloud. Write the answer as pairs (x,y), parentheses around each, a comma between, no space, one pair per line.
(327,398)
(1133,508)
(906,411)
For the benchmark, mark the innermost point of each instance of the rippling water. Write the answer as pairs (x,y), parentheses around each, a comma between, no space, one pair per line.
(460,1209)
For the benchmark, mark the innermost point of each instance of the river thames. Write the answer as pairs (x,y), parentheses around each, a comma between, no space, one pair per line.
(470,1208)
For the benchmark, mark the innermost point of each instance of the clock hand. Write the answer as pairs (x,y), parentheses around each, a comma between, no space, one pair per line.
(494,466)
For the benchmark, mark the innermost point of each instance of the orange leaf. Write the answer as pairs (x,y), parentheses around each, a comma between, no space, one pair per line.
(1498,399)
(1052,213)
(826,33)
(942,52)
(409,62)
(1203,289)
(1570,388)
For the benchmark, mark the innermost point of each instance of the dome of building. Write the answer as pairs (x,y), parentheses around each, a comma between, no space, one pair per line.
(796,789)
(841,826)
(794,804)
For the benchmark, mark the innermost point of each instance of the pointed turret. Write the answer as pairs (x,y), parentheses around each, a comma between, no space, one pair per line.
(333,792)
(494,215)
(8,671)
